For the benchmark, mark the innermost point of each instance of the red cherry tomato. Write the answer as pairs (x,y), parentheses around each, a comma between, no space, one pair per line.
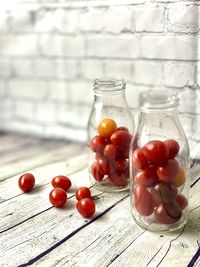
(110,152)
(168,171)
(146,177)
(182,201)
(103,165)
(156,152)
(173,148)
(168,213)
(144,202)
(121,165)
(118,178)
(163,192)
(26,182)
(98,176)
(138,159)
(97,144)
(86,207)
(121,138)
(58,197)
(107,127)
(83,192)
(61,181)
(122,128)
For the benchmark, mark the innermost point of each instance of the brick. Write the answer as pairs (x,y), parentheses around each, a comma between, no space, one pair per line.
(92,20)
(21,21)
(133,94)
(19,45)
(149,19)
(125,46)
(118,19)
(31,89)
(65,69)
(5,69)
(147,73)
(7,106)
(44,68)
(185,21)
(3,88)
(66,20)
(45,113)
(92,69)
(44,20)
(178,74)
(24,127)
(80,92)
(58,91)
(3,21)
(24,110)
(23,67)
(170,47)
(59,45)
(187,98)
(186,122)
(118,69)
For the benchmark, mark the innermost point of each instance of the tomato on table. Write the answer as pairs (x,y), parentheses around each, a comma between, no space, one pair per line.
(107,127)
(61,181)
(86,207)
(83,192)
(26,182)
(58,197)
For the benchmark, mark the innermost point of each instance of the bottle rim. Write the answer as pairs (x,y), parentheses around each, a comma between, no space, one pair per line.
(111,85)
(157,99)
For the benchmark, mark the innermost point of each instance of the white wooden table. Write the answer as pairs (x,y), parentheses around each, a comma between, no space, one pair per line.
(32,232)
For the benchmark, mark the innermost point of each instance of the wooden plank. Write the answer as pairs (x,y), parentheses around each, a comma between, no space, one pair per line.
(47,229)
(117,241)
(9,187)
(47,157)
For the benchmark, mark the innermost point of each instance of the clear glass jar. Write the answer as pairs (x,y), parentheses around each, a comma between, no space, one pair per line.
(109,135)
(159,165)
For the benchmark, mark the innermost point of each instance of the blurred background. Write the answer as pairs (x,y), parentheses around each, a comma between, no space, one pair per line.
(51,51)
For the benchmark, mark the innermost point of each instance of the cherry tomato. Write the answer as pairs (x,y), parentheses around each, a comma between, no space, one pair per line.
(26,182)
(118,178)
(121,165)
(168,171)
(110,152)
(86,207)
(182,201)
(97,144)
(121,138)
(103,165)
(58,197)
(83,192)
(156,152)
(138,159)
(98,176)
(180,178)
(144,202)
(107,127)
(173,148)
(168,213)
(146,177)
(61,181)
(122,128)
(163,192)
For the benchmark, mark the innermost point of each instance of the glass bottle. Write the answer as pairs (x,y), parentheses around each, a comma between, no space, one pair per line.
(159,165)
(109,135)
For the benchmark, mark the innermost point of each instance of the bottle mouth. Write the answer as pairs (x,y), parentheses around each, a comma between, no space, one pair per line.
(150,100)
(114,85)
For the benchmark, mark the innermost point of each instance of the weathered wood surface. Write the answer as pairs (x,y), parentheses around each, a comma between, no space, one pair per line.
(32,232)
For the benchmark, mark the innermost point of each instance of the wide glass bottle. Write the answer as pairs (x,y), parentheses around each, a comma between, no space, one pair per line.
(159,165)
(109,135)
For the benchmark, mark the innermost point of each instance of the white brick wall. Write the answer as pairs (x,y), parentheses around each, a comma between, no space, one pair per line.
(50,55)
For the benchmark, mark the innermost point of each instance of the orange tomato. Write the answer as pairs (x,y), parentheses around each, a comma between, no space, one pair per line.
(107,127)
(180,178)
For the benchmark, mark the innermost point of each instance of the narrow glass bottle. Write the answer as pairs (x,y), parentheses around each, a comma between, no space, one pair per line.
(109,135)
(159,165)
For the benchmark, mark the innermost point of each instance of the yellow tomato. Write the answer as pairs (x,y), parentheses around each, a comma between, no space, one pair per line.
(180,178)
(107,127)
